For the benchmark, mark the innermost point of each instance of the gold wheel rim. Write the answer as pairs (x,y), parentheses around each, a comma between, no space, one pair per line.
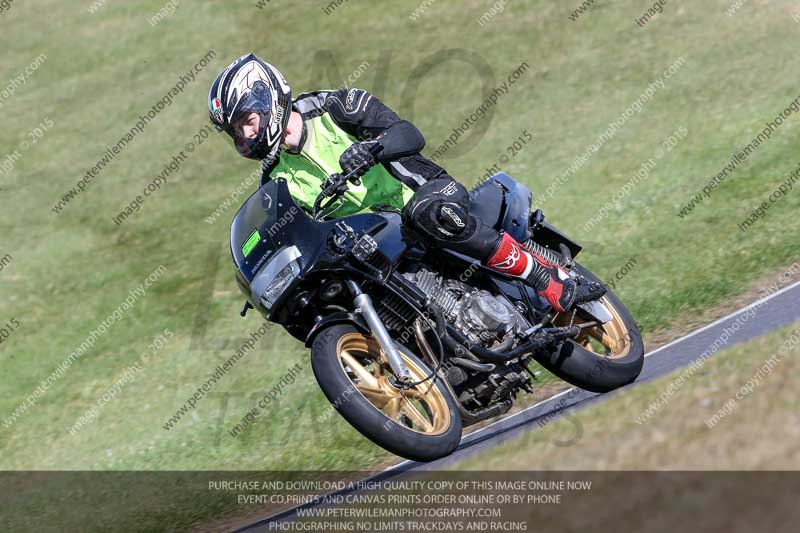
(422,408)
(610,340)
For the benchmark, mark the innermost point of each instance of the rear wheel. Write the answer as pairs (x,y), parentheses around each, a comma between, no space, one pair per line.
(421,423)
(602,358)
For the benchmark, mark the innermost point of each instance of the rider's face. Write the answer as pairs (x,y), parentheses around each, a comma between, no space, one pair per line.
(247,126)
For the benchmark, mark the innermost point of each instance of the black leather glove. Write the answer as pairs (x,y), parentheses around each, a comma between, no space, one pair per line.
(358,156)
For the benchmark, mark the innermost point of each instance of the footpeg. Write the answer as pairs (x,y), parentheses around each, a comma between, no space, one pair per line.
(547,337)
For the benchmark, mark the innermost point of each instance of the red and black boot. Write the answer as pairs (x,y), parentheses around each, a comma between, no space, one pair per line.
(550,281)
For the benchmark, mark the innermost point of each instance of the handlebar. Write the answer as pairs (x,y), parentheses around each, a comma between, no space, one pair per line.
(337,184)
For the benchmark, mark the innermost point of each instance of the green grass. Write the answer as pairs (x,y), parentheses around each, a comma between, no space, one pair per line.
(105,69)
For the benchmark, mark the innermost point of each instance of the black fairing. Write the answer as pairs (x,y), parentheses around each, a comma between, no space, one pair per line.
(281,222)
(265,210)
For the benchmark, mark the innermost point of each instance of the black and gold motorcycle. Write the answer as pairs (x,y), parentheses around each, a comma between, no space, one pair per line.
(410,345)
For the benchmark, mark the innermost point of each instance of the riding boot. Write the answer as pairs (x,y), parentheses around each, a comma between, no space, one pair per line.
(549,281)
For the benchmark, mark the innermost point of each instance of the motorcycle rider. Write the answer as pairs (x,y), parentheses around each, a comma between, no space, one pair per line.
(321,133)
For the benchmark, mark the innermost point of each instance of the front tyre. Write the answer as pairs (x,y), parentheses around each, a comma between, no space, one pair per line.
(421,423)
(602,358)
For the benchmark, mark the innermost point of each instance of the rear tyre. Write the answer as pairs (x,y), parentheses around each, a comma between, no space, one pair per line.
(602,358)
(422,423)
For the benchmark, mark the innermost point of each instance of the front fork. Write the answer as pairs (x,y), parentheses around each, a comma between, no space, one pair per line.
(363,306)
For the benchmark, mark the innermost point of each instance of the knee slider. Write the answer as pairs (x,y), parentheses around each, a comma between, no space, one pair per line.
(452,217)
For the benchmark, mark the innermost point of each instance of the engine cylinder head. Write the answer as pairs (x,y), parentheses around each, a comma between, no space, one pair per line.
(431,284)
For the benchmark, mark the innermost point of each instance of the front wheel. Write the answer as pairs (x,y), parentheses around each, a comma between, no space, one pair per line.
(421,423)
(601,358)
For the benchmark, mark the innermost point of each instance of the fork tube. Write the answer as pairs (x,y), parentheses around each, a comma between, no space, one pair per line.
(363,304)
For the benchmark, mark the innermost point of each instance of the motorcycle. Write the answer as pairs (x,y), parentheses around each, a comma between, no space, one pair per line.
(412,345)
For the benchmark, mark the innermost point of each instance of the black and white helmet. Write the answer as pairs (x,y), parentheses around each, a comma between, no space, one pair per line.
(250,85)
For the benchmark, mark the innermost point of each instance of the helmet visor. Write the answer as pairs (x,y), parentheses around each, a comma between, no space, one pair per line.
(249,138)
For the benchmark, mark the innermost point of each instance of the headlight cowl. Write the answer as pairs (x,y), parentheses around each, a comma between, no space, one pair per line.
(275,277)
(279,283)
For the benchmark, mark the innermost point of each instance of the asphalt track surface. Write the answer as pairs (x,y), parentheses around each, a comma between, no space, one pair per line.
(762,316)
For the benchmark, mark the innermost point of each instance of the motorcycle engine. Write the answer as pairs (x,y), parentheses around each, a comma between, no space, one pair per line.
(481,316)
